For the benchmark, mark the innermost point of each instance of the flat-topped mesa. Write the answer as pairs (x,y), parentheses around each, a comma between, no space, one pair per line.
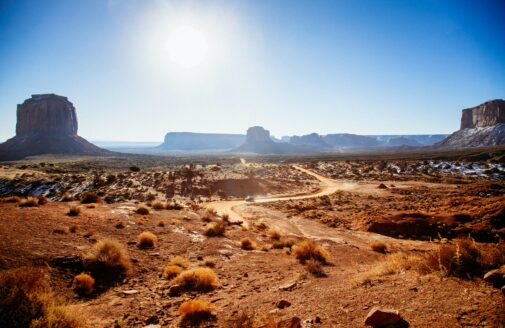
(46,114)
(487,114)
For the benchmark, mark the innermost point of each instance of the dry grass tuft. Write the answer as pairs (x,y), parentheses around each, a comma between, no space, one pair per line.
(142,210)
(161,223)
(74,211)
(108,260)
(274,234)
(247,244)
(180,262)
(215,229)
(393,263)
(284,243)
(195,311)
(315,268)
(29,202)
(10,199)
(378,247)
(309,249)
(66,197)
(83,284)
(42,200)
(171,271)
(90,197)
(202,279)
(146,239)
(92,205)
(158,205)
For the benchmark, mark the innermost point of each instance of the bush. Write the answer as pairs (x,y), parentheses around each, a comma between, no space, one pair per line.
(274,234)
(146,240)
(142,210)
(284,243)
(10,199)
(180,262)
(83,284)
(309,249)
(90,197)
(171,271)
(202,279)
(378,247)
(460,259)
(196,311)
(161,223)
(42,200)
(247,244)
(74,211)
(214,229)
(29,202)
(315,268)
(157,205)
(108,260)
(66,197)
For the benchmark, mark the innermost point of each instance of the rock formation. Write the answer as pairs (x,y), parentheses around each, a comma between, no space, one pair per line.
(258,141)
(481,126)
(189,141)
(46,124)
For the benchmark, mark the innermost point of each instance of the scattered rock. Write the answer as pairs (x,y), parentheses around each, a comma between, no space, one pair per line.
(382,318)
(294,322)
(496,277)
(175,290)
(382,186)
(288,287)
(283,304)
(130,292)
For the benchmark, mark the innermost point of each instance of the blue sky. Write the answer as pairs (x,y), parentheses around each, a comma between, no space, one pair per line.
(294,67)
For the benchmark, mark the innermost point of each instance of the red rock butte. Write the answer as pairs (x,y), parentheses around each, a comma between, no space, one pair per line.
(47,124)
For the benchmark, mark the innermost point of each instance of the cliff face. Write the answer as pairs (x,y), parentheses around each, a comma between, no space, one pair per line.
(258,141)
(481,126)
(487,114)
(46,114)
(47,124)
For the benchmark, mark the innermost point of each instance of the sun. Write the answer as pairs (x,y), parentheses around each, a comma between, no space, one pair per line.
(187,47)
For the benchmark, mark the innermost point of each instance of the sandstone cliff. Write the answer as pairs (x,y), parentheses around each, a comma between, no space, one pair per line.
(46,124)
(258,141)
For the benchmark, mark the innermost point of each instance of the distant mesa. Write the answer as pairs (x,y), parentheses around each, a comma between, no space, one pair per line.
(190,141)
(481,126)
(258,141)
(47,124)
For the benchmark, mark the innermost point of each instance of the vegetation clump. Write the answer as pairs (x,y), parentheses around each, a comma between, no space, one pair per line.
(74,211)
(83,284)
(146,239)
(90,197)
(195,311)
(29,202)
(309,249)
(142,210)
(378,247)
(215,229)
(202,279)
(108,260)
(247,244)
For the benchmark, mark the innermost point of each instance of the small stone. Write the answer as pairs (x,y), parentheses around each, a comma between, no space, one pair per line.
(379,318)
(130,292)
(317,319)
(152,326)
(175,290)
(283,304)
(495,277)
(288,286)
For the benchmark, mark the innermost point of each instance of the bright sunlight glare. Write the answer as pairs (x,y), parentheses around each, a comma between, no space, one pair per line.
(187,47)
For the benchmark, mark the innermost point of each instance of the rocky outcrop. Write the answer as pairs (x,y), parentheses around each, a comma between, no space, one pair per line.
(46,124)
(258,141)
(481,126)
(487,114)
(189,141)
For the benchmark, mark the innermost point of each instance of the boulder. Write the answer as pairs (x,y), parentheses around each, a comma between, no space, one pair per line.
(496,277)
(47,124)
(381,318)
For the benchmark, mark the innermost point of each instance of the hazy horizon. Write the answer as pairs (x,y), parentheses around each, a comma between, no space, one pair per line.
(136,70)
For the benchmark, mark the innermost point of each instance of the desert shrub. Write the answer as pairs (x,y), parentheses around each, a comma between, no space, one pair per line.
(29,202)
(247,244)
(197,279)
(92,205)
(158,205)
(66,197)
(378,247)
(174,206)
(73,228)
(392,263)
(284,243)
(161,223)
(146,239)
(460,259)
(315,268)
(56,315)
(83,284)
(140,221)
(196,311)
(42,200)
(60,230)
(171,271)
(180,262)
(142,210)
(10,199)
(309,249)
(108,260)
(74,211)
(274,234)
(90,197)
(225,218)
(211,212)
(214,229)
(209,262)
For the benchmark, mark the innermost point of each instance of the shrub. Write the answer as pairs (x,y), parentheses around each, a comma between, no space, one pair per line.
(60,230)
(315,268)
(73,229)
(274,234)
(392,263)
(180,262)
(284,243)
(247,244)
(92,205)
(196,311)
(161,223)
(108,260)
(83,284)
(29,202)
(209,262)
(10,199)
(74,211)
(42,200)
(309,249)
(90,197)
(378,247)
(174,206)
(171,271)
(157,205)
(142,210)
(146,240)
(214,229)
(197,279)
(66,197)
